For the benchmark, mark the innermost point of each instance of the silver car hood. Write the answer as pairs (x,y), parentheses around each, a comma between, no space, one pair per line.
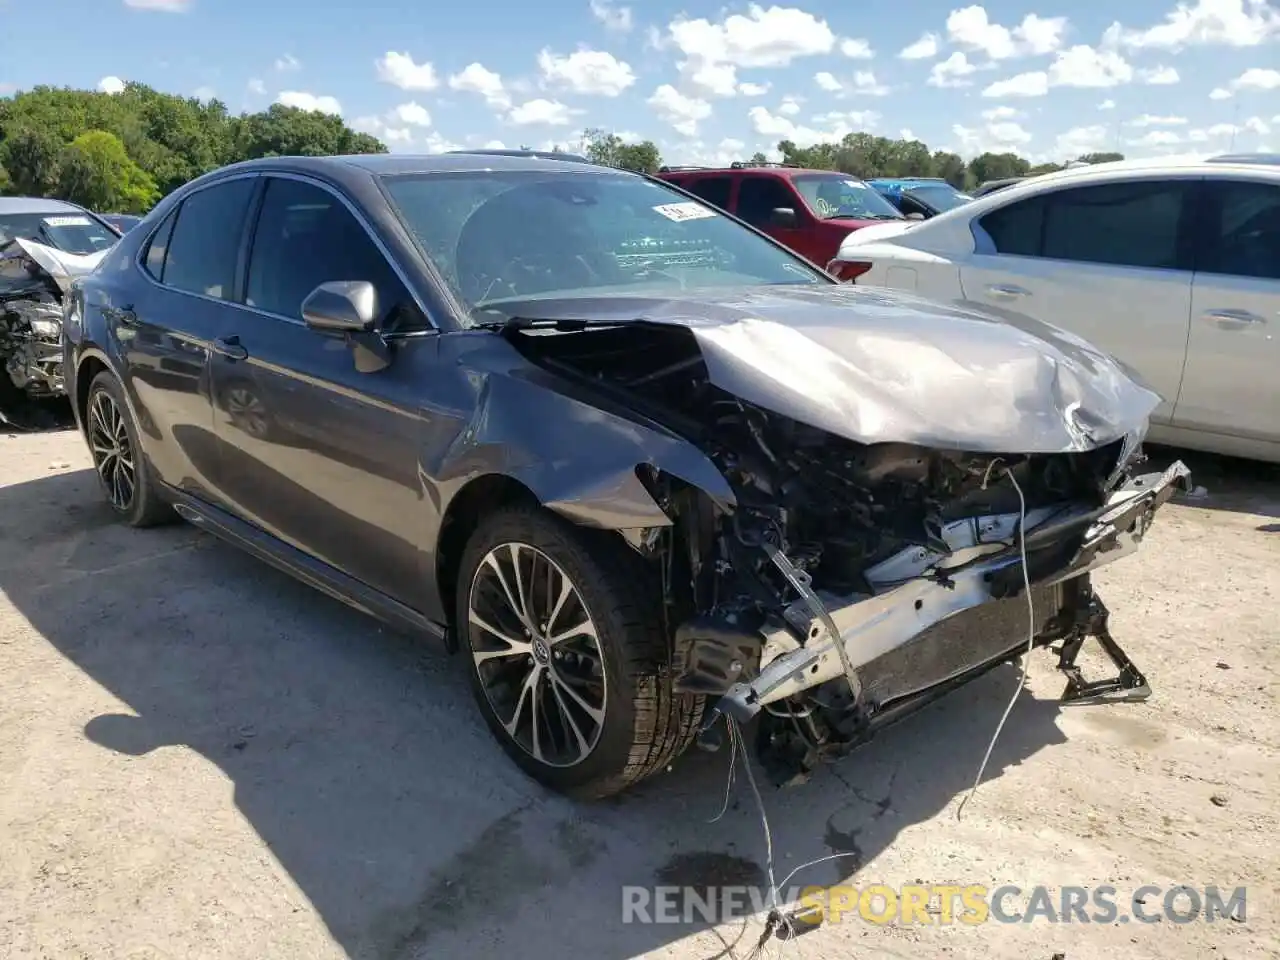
(882,366)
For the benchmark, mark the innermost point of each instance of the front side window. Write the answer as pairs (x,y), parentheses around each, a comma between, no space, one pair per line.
(1243,234)
(204,245)
(1016,229)
(74,233)
(306,236)
(758,197)
(836,196)
(513,235)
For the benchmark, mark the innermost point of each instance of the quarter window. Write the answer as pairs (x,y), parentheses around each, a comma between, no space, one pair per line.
(158,246)
(1243,238)
(305,237)
(204,244)
(714,190)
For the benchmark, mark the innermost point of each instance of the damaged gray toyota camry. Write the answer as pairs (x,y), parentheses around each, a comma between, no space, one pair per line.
(642,466)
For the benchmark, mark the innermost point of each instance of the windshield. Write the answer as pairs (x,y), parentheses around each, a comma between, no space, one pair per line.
(832,195)
(73,233)
(940,196)
(497,235)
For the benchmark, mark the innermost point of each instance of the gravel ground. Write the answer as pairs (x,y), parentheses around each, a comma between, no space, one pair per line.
(201,758)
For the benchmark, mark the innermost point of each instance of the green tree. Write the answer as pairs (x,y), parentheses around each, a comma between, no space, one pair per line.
(612,151)
(1100,157)
(997,166)
(951,168)
(31,156)
(96,172)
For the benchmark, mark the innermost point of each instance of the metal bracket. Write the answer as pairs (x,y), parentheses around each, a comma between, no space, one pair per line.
(1128,685)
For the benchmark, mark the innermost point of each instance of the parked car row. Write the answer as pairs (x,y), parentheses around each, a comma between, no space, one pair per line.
(642,465)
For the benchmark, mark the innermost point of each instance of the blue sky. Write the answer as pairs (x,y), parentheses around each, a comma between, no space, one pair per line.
(709,82)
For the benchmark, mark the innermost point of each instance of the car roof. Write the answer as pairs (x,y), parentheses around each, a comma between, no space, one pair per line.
(772,171)
(11,205)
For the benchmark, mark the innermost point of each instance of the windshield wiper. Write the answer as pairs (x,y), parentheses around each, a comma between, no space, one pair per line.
(567,324)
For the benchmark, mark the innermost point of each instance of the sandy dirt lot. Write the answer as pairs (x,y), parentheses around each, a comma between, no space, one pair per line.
(200,757)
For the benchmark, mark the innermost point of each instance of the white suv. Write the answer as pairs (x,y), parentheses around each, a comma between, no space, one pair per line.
(1171,264)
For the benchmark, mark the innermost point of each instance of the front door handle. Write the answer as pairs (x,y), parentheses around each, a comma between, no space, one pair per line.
(1007,290)
(230,348)
(1233,319)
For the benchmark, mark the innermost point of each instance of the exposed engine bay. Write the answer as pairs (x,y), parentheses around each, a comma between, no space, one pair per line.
(33,280)
(852,583)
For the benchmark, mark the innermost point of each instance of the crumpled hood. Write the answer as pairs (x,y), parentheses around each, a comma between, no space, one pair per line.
(61,267)
(882,366)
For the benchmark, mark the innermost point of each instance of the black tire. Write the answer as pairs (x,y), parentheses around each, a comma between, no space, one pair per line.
(145,507)
(646,725)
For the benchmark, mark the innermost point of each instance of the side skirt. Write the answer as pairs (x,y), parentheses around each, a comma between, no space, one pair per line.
(315,573)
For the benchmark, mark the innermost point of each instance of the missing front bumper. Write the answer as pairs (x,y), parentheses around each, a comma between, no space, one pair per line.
(904,644)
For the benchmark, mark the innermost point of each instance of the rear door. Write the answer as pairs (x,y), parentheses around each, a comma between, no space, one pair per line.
(760,197)
(315,452)
(166,332)
(1232,381)
(1110,262)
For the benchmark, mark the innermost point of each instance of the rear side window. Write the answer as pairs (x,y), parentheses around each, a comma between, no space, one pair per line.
(1242,238)
(158,246)
(758,197)
(714,190)
(205,241)
(1016,230)
(1126,224)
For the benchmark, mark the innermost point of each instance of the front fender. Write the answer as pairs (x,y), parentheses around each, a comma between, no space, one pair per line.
(578,459)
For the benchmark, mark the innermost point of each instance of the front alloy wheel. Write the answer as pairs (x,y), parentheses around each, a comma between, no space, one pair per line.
(537,654)
(112,450)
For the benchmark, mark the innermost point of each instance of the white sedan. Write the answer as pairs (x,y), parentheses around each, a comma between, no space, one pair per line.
(1171,265)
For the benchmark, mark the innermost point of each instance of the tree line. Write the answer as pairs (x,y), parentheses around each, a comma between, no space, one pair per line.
(122,152)
(862,155)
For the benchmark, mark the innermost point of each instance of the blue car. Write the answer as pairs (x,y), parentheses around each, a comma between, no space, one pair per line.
(920,198)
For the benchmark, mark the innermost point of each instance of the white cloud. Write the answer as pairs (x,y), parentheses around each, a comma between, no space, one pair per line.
(1159,76)
(828,82)
(1034,84)
(1083,66)
(832,126)
(1219,93)
(864,83)
(287,63)
(923,49)
(478,79)
(111,85)
(999,137)
(1080,140)
(612,16)
(1001,113)
(789,107)
(1232,23)
(551,113)
(1107,105)
(204,93)
(1149,120)
(167,6)
(753,89)
(1158,138)
(592,72)
(682,112)
(256,86)
(972,29)
(856,48)
(1257,125)
(711,79)
(309,101)
(1257,78)
(772,37)
(413,113)
(399,70)
(952,72)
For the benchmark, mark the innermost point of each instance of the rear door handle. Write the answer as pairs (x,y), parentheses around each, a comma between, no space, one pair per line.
(1007,290)
(1233,319)
(230,348)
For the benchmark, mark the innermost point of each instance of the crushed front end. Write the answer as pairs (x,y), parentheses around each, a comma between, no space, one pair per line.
(852,583)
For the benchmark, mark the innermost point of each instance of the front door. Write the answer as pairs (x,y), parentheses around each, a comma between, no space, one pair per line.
(1110,263)
(761,197)
(1232,381)
(314,451)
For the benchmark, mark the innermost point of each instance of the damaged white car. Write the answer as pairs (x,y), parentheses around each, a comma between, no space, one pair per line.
(44,246)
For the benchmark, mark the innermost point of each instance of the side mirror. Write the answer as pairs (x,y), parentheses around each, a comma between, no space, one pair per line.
(341,306)
(915,216)
(783,217)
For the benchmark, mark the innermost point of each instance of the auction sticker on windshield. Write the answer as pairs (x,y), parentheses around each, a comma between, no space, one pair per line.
(74,221)
(856,184)
(685,211)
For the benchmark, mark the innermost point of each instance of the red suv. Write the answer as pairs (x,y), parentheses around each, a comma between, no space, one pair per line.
(810,211)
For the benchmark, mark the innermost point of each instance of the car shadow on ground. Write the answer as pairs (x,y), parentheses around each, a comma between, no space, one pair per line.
(1224,483)
(359,759)
(26,415)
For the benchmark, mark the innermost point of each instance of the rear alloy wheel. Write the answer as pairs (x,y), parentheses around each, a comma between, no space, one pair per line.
(563,631)
(122,469)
